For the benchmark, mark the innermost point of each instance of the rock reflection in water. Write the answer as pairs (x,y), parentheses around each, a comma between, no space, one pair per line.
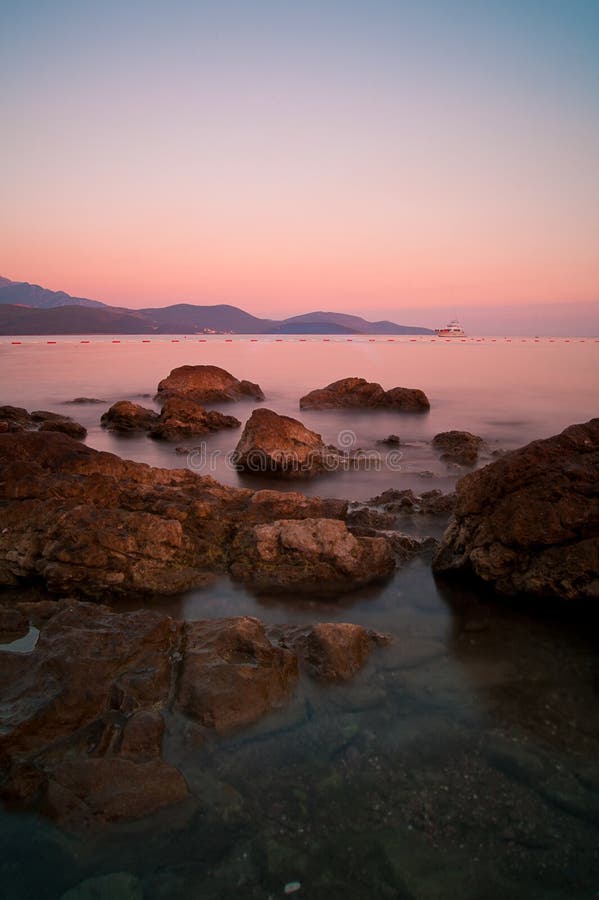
(460,762)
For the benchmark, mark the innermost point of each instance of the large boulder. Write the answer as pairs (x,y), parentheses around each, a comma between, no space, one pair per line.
(529,522)
(460,447)
(206,384)
(357,393)
(313,555)
(93,524)
(125,417)
(182,418)
(282,447)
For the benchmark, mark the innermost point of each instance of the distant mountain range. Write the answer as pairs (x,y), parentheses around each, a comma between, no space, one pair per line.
(30,309)
(21,293)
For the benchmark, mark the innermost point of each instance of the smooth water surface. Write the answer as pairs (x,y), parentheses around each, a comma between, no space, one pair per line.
(508,391)
(460,763)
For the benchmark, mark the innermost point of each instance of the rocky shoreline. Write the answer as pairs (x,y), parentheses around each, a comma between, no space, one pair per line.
(87,711)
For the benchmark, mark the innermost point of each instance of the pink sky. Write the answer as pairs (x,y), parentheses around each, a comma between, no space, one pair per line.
(294,161)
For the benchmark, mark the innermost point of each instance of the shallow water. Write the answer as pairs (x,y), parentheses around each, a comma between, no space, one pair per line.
(462,762)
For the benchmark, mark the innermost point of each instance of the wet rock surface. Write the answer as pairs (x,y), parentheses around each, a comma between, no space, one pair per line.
(97,525)
(459,447)
(329,651)
(429,503)
(124,417)
(179,418)
(232,674)
(529,522)
(15,419)
(283,447)
(85,712)
(182,418)
(206,384)
(314,555)
(357,393)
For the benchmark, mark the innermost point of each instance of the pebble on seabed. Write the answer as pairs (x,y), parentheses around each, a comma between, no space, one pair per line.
(292,886)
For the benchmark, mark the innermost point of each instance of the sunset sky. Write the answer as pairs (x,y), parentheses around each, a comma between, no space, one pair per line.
(371,157)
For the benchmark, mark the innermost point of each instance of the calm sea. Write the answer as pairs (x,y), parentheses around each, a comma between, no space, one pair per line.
(462,761)
(509,391)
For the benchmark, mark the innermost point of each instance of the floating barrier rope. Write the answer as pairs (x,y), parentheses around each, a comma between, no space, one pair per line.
(187,341)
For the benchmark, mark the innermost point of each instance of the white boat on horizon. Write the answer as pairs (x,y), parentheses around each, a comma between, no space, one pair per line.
(452,329)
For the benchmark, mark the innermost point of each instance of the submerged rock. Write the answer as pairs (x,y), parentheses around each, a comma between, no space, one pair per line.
(232,674)
(314,555)
(329,651)
(84,713)
(460,447)
(358,393)
(281,446)
(116,886)
(206,384)
(529,522)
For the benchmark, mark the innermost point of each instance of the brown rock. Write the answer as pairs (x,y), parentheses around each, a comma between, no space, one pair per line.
(13,622)
(264,506)
(181,418)
(124,417)
(460,447)
(93,524)
(83,713)
(529,522)
(92,673)
(93,551)
(206,384)
(371,518)
(358,393)
(65,426)
(142,735)
(115,789)
(232,674)
(406,400)
(14,418)
(330,651)
(281,446)
(314,555)
(434,503)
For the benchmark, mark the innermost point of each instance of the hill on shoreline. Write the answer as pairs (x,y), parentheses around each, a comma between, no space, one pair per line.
(30,309)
